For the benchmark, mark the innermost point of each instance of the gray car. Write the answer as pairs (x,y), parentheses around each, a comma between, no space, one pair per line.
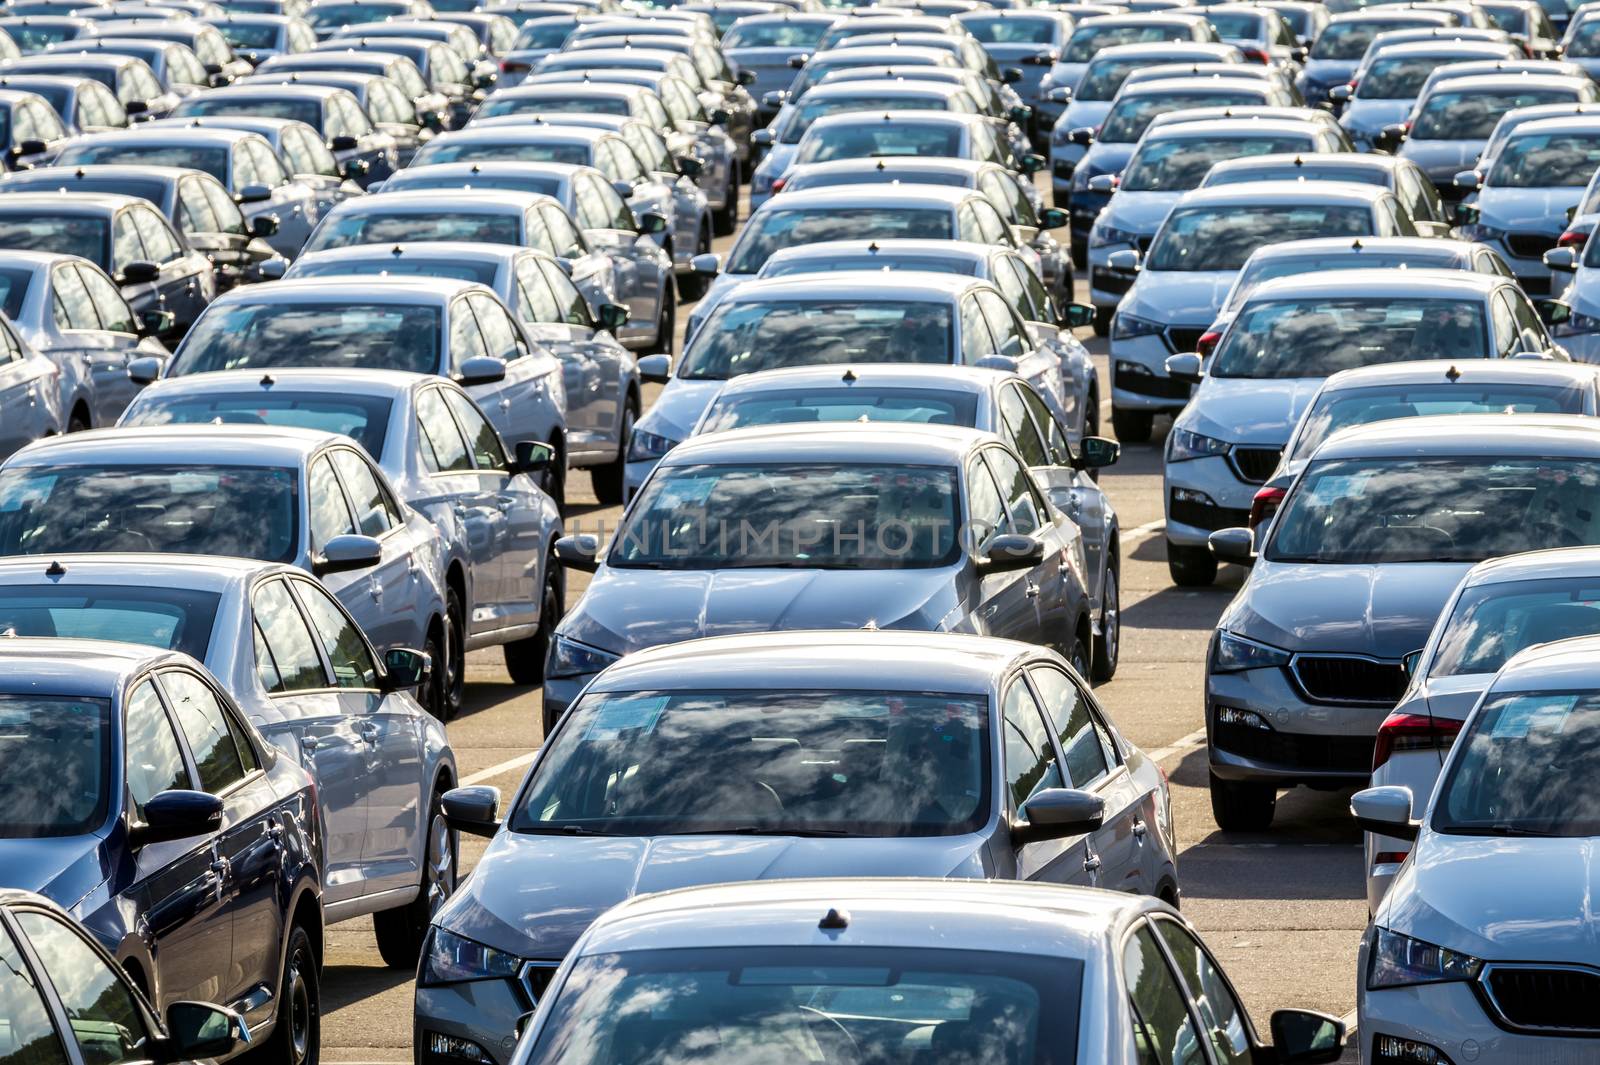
(256,38)
(1095,33)
(1344,39)
(83,104)
(444,460)
(314,687)
(135,85)
(726,764)
(1024,40)
(1375,534)
(1410,184)
(30,392)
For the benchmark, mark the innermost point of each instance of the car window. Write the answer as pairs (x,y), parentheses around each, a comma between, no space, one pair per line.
(1506,337)
(536,302)
(195,213)
(71,305)
(487,453)
(1531,330)
(229,216)
(374,514)
(28,1037)
(990,224)
(286,653)
(353,665)
(574,308)
(985,511)
(1022,499)
(1055,437)
(138,83)
(1223,1018)
(159,243)
(102,1013)
(1030,759)
(1012,342)
(10,349)
(443,450)
(153,760)
(1020,430)
(216,750)
(501,337)
(114,313)
(330,516)
(1068,709)
(271,170)
(592,211)
(292,147)
(23,128)
(1163,1031)
(967,225)
(565,239)
(976,341)
(466,342)
(126,247)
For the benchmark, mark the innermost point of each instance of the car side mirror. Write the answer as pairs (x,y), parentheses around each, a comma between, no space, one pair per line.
(254,194)
(1033,163)
(611,317)
(1302,1037)
(651,223)
(1563,259)
(1083,135)
(146,368)
(581,551)
(532,456)
(1053,218)
(1410,661)
(624,189)
(655,369)
(264,225)
(1011,551)
(1236,545)
(706,264)
(1061,94)
(481,370)
(1056,813)
(1467,180)
(1123,261)
(273,269)
(139,272)
(1020,114)
(136,107)
(690,167)
(762,138)
(347,552)
(29,147)
(1553,312)
(1340,94)
(343,143)
(155,324)
(1076,315)
(1097,452)
(474,809)
(177,814)
(772,100)
(1004,363)
(1184,366)
(1103,183)
(720,117)
(1389,137)
(354,168)
(405,669)
(201,1030)
(1386,811)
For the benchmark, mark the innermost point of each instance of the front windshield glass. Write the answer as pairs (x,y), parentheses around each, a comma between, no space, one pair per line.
(307,111)
(539,34)
(801,35)
(1222,237)
(811,110)
(213,161)
(1105,76)
(250,35)
(365,419)
(1493,622)
(372,227)
(1311,169)
(1547,160)
(1088,40)
(33,230)
(1358,406)
(827,1004)
(1129,118)
(1349,40)
(1585,40)
(55,765)
(500,152)
(195,509)
(857,403)
(37,36)
(1368,511)
(1318,337)
(879,139)
(765,762)
(1236,25)
(333,16)
(1397,78)
(374,336)
(555,103)
(1525,766)
(772,229)
(1472,114)
(1180,164)
(741,338)
(174,619)
(997,30)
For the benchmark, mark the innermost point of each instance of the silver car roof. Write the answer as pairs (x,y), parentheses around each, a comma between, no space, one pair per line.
(200,445)
(1445,435)
(363,288)
(1299,249)
(390,384)
(1254,193)
(899,284)
(919,444)
(1566,665)
(1412,282)
(970,251)
(1579,562)
(84,668)
(207,573)
(971,380)
(422,201)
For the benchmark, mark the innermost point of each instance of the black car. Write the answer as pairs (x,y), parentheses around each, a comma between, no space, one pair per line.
(33,130)
(136,795)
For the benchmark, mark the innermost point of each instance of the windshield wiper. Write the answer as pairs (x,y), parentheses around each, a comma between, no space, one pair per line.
(564,830)
(1519,830)
(749,830)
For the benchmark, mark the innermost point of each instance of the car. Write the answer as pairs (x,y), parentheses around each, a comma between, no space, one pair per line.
(1384,89)
(441,69)
(1513,120)
(431,106)
(538,36)
(1279,77)
(1343,41)
(1372,539)
(908,794)
(1165,164)
(1451,960)
(1193,260)
(138,774)
(137,88)
(82,104)
(1259,32)
(204,40)
(1402,177)
(1527,23)
(193,201)
(258,37)
(244,162)
(1023,40)
(327,17)
(1094,33)
(423,325)
(173,64)
(443,459)
(32,33)
(815,68)
(765,45)
(1581,42)
(1285,336)
(391,108)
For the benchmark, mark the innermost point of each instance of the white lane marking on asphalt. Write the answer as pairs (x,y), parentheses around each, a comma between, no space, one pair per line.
(1197,738)
(478,778)
(1138,532)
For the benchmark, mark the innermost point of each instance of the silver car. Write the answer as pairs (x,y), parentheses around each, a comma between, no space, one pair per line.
(1383,91)
(1375,534)
(919,754)
(1027,41)
(30,388)
(767,45)
(315,688)
(1094,34)
(1404,178)
(1344,39)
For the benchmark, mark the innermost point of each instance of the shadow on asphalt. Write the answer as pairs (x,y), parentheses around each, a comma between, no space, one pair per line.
(484,695)
(1177,608)
(1304,816)
(343,985)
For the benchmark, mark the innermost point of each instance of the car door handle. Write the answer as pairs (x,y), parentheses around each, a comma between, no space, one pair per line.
(375,588)
(1139,829)
(222,868)
(1031,590)
(1091,864)
(309,743)
(369,732)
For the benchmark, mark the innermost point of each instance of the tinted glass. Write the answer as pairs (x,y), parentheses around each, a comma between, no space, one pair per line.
(353,665)
(1349,40)
(1318,337)
(443,448)
(423,179)
(373,227)
(1222,238)
(1397,78)
(741,338)
(286,654)
(812,110)
(1030,759)
(300,110)
(363,418)
(373,517)
(378,336)
(1547,160)
(205,725)
(213,161)
(55,756)
(556,101)
(772,229)
(80,235)
(487,454)
(1492,622)
(505,152)
(1163,1031)
(999,30)
(1131,116)
(1224,1019)
(1471,115)
(881,140)
(171,618)
(1175,164)
(855,403)
(28,1037)
(801,35)
(152,759)
(14,290)
(102,1013)
(1087,40)
(1341,409)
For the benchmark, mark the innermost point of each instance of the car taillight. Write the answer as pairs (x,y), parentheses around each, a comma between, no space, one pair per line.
(512,66)
(1207,343)
(1257,55)
(1390,857)
(1572,238)
(1265,505)
(778,184)
(1412,732)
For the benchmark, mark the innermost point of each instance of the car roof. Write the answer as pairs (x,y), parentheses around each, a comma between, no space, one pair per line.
(1488,82)
(857,119)
(1562,124)
(328,380)
(1390,11)
(1473,372)
(915,285)
(111,171)
(1579,562)
(1445,435)
(1193,83)
(81,668)
(1299,249)
(274,90)
(45,60)
(1143,18)
(1342,160)
(598,87)
(1441,46)
(226,445)
(1419,282)
(1223,128)
(910,195)
(1565,665)
(407,288)
(914,164)
(898,86)
(921,444)
(184,132)
(970,251)
(529,129)
(411,201)
(38,261)
(69,202)
(1250,193)
(868,55)
(971,380)
(489,168)
(1154,49)
(210,573)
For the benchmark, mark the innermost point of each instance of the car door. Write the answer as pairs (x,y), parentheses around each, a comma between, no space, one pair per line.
(528,396)
(1012,340)
(397,581)
(118,340)
(453,482)
(20,400)
(250,849)
(1002,604)
(1042,585)
(185,290)
(1030,766)
(608,225)
(591,404)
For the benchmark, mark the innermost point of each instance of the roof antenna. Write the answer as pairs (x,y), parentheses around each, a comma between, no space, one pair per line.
(835,920)
(397,250)
(1355,245)
(849,377)
(1452,374)
(1298,161)
(881,166)
(55,569)
(267,380)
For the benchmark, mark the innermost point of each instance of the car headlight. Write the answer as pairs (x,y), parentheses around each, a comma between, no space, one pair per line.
(1233,653)
(1576,325)
(451,959)
(1182,445)
(1399,961)
(1127,326)
(571,659)
(1102,235)
(647,447)
(1480,232)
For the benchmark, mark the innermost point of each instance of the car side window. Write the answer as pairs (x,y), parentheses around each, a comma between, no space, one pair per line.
(991,225)
(487,453)
(501,337)
(986,513)
(229,218)
(330,516)
(71,305)
(23,127)
(1030,759)
(221,756)
(152,759)
(102,1012)
(1506,338)
(29,1036)
(286,653)
(353,664)
(114,313)
(1016,487)
(976,341)
(111,107)
(443,450)
(1163,1030)
(591,213)
(1221,1015)
(246,167)
(1020,430)
(159,242)
(126,247)
(967,225)
(10,348)
(139,82)
(1008,333)
(466,342)
(1010,285)
(574,308)
(564,236)
(1068,710)
(272,172)
(373,512)
(1530,329)
(195,213)
(1055,438)
(537,302)
(292,148)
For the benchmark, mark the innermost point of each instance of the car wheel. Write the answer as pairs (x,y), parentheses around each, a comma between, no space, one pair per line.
(78,421)
(666,324)
(1105,651)
(692,286)
(727,219)
(1078,655)
(1242,806)
(1132,426)
(608,479)
(554,480)
(452,684)
(1191,567)
(525,657)
(296,1037)
(400,931)
(1102,320)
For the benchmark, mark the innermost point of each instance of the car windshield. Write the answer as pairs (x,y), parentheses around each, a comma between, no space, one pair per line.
(1367,511)
(374,227)
(1472,114)
(1349,40)
(1492,622)
(1237,25)
(853,403)
(1341,409)
(1262,270)
(1130,117)
(812,264)
(1105,76)
(55,765)
(811,110)
(1547,160)
(372,336)
(746,337)
(1308,170)
(555,102)
(1396,78)
(822,1004)
(800,35)
(1088,40)
(250,35)
(365,419)
(1525,766)
(194,509)
(770,229)
(543,33)
(331,16)
(307,111)
(501,152)
(174,619)
(997,30)
(34,36)
(213,161)
(1181,163)
(1222,237)
(13,290)
(34,230)
(880,139)
(1584,42)
(1320,336)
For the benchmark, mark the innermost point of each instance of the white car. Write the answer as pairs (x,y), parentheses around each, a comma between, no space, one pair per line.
(1484,949)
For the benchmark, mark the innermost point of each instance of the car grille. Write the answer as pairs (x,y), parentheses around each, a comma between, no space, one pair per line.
(1314,754)
(1184,338)
(1255,464)
(1530,245)
(1200,516)
(1110,281)
(535,978)
(1148,384)
(1544,999)
(1349,679)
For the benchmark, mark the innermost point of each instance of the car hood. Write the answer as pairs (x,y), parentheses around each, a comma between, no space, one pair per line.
(1382,610)
(1139,212)
(1084,113)
(1184,297)
(1069,74)
(1326,73)
(1442,160)
(1245,410)
(1102,159)
(678,407)
(1524,210)
(533,895)
(62,868)
(625,610)
(1370,116)
(1499,898)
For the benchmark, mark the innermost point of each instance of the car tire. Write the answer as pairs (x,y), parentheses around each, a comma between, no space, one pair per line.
(1132,426)
(1102,320)
(608,480)
(78,421)
(400,931)
(296,1037)
(1091,423)
(1191,567)
(1242,806)
(1109,645)
(726,220)
(692,286)
(1078,655)
(666,323)
(554,479)
(525,657)
(446,681)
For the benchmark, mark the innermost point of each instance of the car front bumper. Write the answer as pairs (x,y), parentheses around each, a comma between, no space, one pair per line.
(1151,390)
(1203,495)
(1296,741)
(481,1012)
